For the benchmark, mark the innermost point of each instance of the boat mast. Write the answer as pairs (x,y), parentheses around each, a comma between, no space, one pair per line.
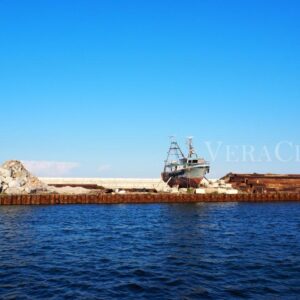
(174,152)
(191,147)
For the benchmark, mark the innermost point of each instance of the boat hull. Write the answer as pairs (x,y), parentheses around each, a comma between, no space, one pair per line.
(182,182)
(185,178)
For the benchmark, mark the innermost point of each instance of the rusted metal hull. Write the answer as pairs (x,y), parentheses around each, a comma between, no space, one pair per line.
(181,181)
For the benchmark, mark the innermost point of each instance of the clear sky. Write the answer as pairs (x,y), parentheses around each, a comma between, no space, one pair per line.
(94,88)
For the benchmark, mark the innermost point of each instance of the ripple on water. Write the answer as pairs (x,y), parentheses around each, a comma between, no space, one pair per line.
(182,251)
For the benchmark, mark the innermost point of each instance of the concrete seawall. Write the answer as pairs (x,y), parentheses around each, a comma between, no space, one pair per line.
(141,198)
(110,183)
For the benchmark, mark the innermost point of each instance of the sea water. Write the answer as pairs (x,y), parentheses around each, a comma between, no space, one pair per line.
(150,251)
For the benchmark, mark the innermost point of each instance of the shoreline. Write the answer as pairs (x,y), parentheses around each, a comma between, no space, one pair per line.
(140,198)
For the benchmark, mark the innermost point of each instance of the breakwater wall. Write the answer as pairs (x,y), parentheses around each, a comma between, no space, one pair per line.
(142,198)
(109,183)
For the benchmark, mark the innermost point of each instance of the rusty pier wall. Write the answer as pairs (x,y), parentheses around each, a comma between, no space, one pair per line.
(142,198)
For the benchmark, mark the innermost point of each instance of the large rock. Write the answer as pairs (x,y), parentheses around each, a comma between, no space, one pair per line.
(5,172)
(14,191)
(14,184)
(16,169)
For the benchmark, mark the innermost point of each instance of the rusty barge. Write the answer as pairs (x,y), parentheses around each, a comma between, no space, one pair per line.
(264,183)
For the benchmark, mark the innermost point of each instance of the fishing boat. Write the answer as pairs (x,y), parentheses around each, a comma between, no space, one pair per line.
(184,171)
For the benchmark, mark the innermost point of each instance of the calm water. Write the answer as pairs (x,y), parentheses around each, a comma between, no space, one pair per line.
(180,251)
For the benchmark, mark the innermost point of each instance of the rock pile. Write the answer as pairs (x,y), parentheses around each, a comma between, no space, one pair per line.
(216,186)
(208,186)
(15,179)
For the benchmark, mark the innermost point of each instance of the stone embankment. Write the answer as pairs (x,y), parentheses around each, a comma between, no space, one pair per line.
(121,185)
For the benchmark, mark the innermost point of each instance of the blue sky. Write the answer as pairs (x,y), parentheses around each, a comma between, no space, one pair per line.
(94,88)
